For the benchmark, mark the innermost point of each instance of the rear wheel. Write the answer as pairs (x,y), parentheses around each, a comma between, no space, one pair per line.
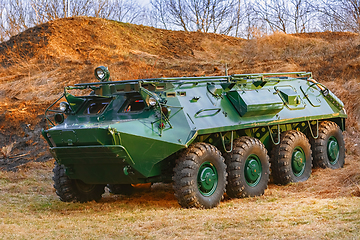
(292,160)
(329,148)
(248,168)
(200,177)
(74,190)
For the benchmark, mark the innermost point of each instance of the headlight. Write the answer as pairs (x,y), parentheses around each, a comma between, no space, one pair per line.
(152,101)
(64,106)
(166,111)
(102,73)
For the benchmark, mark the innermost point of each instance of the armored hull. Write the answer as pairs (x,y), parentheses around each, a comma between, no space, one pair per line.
(216,132)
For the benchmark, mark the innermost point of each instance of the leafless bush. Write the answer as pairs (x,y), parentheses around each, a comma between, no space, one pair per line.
(240,18)
(18,15)
(292,16)
(339,15)
(219,16)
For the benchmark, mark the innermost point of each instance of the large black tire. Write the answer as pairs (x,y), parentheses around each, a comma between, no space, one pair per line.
(329,148)
(248,168)
(73,190)
(291,159)
(125,189)
(200,177)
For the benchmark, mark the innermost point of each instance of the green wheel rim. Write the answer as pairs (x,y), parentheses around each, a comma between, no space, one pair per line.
(207,179)
(253,170)
(298,161)
(333,150)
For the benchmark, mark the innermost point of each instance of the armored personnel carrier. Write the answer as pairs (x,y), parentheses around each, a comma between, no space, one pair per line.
(206,135)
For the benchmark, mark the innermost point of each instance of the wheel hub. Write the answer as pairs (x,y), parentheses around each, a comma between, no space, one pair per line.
(333,150)
(207,179)
(253,170)
(298,161)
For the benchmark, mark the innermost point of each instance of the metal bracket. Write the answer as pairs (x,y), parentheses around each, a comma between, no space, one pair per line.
(232,142)
(278,133)
(100,118)
(164,118)
(317,129)
(49,122)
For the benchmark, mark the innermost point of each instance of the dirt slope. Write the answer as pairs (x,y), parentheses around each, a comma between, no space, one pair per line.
(36,64)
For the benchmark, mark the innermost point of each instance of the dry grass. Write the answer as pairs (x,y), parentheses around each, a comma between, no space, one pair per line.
(69,49)
(30,209)
(6,150)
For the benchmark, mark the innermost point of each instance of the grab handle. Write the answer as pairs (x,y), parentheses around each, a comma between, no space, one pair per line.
(217,110)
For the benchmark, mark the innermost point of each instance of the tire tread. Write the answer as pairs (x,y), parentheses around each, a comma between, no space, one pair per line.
(185,172)
(282,154)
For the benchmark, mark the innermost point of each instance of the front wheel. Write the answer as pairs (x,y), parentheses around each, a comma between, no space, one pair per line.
(200,177)
(248,168)
(329,147)
(74,190)
(291,159)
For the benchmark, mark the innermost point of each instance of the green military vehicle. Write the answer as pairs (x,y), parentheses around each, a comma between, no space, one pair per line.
(206,135)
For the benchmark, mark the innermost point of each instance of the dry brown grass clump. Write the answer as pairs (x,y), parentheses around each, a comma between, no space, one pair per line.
(6,150)
(327,58)
(328,183)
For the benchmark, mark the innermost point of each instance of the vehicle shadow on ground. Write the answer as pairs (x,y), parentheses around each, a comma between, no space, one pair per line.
(159,195)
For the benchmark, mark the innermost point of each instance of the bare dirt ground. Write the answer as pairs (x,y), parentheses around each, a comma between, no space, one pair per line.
(36,64)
